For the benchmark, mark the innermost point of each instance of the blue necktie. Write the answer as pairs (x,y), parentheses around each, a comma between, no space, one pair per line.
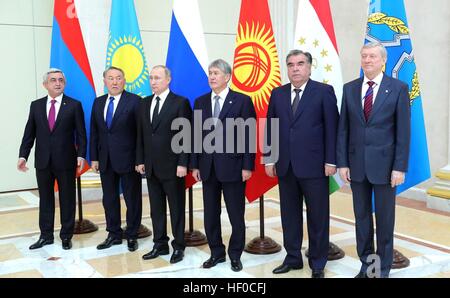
(110,112)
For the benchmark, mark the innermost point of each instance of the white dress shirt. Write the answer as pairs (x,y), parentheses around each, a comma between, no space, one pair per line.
(162,99)
(57,104)
(375,87)
(116,103)
(302,87)
(222,96)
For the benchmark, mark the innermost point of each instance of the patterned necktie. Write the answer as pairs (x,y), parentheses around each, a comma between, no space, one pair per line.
(110,112)
(368,100)
(156,110)
(52,115)
(296,100)
(216,112)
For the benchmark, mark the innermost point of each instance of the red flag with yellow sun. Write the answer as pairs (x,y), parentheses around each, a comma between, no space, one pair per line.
(256,71)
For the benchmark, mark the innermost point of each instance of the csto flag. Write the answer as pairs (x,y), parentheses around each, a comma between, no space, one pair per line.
(256,71)
(387,24)
(187,57)
(68,53)
(314,33)
(125,49)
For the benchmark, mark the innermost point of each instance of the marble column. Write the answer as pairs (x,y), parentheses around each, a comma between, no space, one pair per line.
(283,15)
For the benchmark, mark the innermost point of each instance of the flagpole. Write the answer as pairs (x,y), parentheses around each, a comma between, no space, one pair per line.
(262,245)
(143,231)
(82,226)
(193,237)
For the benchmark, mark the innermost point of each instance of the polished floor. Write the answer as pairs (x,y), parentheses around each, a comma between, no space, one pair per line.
(421,234)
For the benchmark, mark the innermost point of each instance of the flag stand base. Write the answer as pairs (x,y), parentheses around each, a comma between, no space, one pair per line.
(143,232)
(262,246)
(194,238)
(334,252)
(400,261)
(84,226)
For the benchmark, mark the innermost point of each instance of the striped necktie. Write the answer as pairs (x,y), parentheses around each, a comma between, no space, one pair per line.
(368,100)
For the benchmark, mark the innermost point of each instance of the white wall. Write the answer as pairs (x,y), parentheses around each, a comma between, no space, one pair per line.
(25,30)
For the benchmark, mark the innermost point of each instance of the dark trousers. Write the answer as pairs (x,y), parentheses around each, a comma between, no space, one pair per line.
(385,220)
(234,196)
(173,190)
(315,191)
(132,192)
(66,188)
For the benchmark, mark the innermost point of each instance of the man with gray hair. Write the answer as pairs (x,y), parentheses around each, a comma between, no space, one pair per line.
(53,122)
(372,154)
(222,171)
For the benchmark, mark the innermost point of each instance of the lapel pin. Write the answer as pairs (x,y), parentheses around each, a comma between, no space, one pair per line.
(230,101)
(387,91)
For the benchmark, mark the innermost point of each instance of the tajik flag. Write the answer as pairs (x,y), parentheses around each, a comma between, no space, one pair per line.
(256,71)
(314,33)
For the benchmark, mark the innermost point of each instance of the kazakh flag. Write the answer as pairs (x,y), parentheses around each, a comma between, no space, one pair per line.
(388,25)
(125,49)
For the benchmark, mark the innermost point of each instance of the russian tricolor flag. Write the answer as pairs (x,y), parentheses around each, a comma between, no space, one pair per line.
(68,53)
(187,57)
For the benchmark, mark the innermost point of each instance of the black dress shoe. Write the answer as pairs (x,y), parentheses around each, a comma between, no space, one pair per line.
(132,244)
(156,252)
(212,261)
(318,274)
(41,242)
(177,256)
(361,275)
(66,244)
(284,268)
(109,242)
(236,265)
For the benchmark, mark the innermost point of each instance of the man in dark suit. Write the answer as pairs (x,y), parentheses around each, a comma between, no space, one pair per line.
(56,122)
(113,153)
(372,153)
(220,170)
(164,166)
(308,119)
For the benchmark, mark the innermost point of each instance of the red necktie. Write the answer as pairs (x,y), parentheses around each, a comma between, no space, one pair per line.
(368,100)
(51,115)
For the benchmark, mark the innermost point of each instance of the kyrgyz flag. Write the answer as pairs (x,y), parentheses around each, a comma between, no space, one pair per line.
(256,71)
(314,33)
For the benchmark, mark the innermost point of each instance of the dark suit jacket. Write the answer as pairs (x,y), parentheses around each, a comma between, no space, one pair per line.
(375,148)
(64,144)
(307,140)
(228,166)
(154,141)
(119,142)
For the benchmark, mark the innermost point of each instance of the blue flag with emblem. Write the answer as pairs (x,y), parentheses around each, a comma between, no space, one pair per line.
(387,24)
(125,49)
